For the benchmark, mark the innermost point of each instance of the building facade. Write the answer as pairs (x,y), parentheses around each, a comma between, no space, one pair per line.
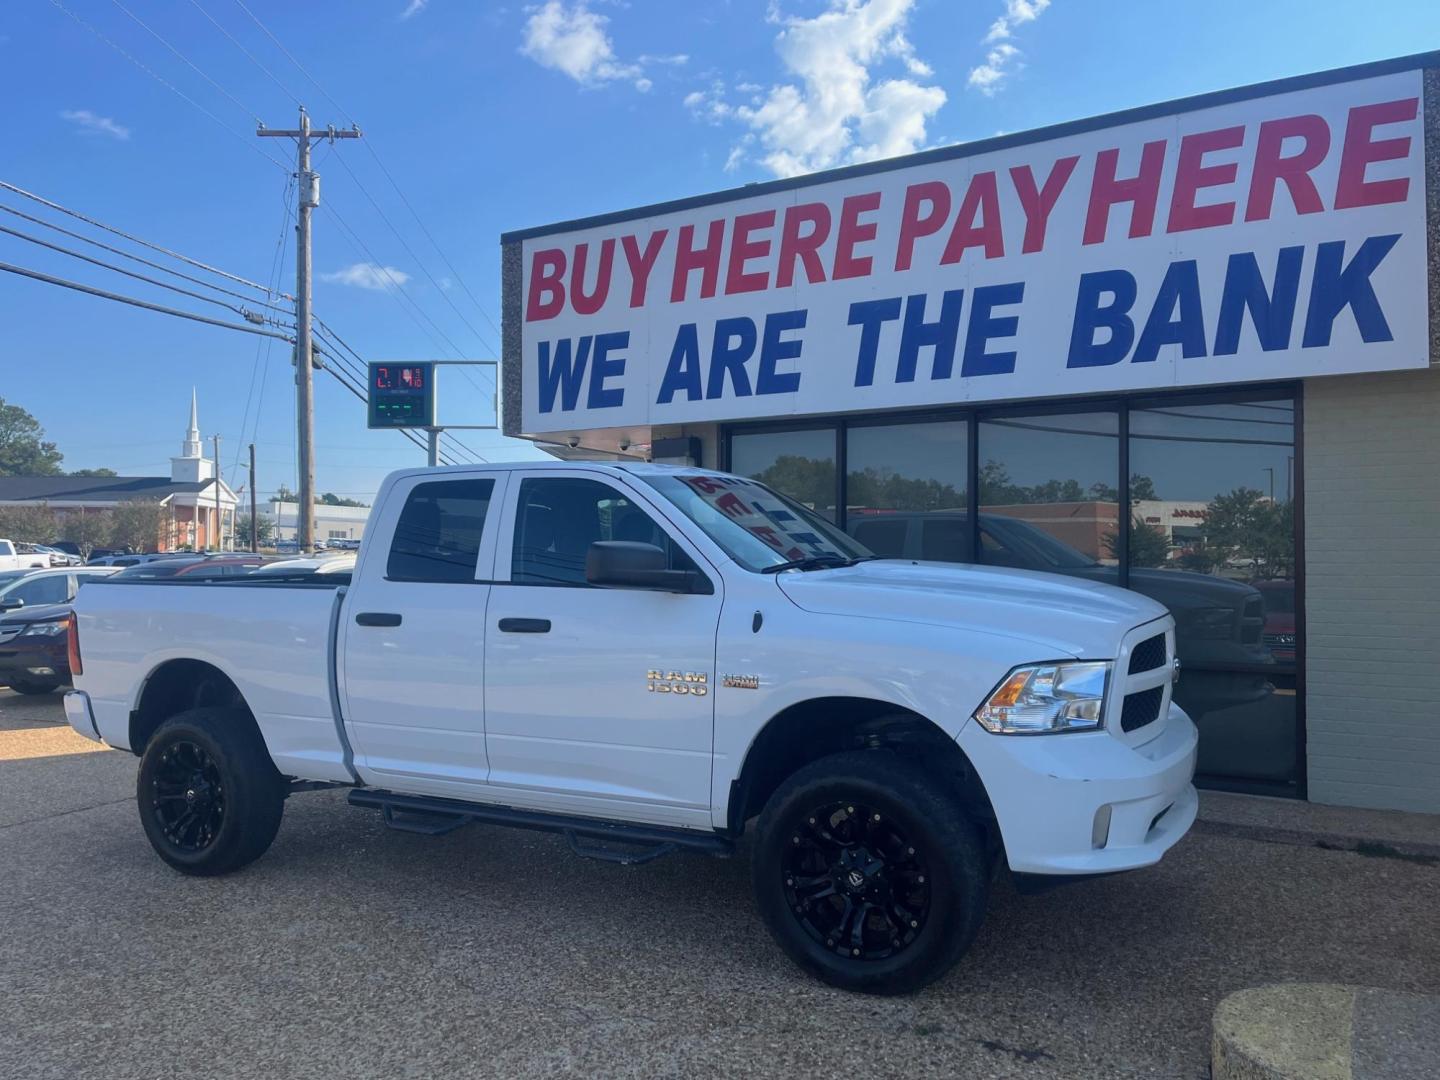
(331,522)
(1190,349)
(198,507)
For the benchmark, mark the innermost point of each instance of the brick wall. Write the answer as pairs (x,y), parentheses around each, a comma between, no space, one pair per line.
(1372,566)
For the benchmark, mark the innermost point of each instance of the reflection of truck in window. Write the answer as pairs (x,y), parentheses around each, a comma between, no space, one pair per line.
(1219,623)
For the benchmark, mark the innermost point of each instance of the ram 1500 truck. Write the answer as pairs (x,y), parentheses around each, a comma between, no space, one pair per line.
(648,659)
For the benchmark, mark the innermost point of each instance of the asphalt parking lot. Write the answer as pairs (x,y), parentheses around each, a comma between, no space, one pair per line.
(352,950)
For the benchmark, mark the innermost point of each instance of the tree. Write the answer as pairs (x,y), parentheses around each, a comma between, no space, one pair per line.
(810,481)
(33,524)
(23,449)
(87,529)
(264,530)
(1246,526)
(1148,545)
(331,499)
(136,524)
(94,472)
(284,494)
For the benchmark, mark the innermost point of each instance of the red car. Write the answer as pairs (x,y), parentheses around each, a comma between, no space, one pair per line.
(1279,632)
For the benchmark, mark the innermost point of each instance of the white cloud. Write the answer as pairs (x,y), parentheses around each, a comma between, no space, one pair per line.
(415,7)
(573,40)
(1002,59)
(366,275)
(835,115)
(1016,13)
(672,60)
(89,123)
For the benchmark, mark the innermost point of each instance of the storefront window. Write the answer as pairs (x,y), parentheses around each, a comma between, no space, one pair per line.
(1212,537)
(905,489)
(800,464)
(1048,493)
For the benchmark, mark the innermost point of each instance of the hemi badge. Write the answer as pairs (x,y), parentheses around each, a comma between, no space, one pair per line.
(741,682)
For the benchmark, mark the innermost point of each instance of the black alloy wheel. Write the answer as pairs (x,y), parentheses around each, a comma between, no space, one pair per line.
(869,872)
(187,796)
(856,882)
(209,796)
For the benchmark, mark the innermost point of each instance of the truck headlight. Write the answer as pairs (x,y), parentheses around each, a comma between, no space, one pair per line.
(1042,699)
(43,629)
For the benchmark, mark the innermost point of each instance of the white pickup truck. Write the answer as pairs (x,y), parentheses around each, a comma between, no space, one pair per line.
(649,659)
(12,558)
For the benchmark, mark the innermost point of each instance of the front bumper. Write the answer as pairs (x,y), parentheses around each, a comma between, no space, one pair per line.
(1087,803)
(80,715)
(35,659)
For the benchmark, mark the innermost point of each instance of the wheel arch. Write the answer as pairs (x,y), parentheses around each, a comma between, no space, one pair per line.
(809,730)
(177,685)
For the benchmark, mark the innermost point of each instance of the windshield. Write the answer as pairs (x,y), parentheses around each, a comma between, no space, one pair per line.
(10,578)
(755,526)
(1043,549)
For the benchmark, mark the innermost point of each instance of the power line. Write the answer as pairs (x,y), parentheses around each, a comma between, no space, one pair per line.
(374,153)
(265,345)
(242,312)
(186,60)
(136,240)
(136,258)
(248,55)
(171,87)
(63,283)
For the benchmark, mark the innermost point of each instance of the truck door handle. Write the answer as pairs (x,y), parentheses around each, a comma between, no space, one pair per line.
(524,626)
(378,618)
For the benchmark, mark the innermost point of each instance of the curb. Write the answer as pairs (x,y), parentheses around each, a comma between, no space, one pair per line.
(1323,1031)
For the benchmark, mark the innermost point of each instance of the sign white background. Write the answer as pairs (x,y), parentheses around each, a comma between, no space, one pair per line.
(828,358)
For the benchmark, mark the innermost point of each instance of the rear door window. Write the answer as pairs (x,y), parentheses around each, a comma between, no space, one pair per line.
(438,535)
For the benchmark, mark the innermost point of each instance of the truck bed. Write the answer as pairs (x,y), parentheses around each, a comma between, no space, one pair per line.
(273,639)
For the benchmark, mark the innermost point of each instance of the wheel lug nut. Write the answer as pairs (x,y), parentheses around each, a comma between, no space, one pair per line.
(849,809)
(854,952)
(921,879)
(812,821)
(911,851)
(914,925)
(794,839)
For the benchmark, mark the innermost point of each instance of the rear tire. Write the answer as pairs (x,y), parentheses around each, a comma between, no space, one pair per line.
(24,687)
(868,872)
(210,798)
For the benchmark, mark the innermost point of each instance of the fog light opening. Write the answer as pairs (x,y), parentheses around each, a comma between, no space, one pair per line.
(1100,829)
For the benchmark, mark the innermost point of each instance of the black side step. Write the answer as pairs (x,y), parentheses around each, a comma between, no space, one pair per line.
(432,816)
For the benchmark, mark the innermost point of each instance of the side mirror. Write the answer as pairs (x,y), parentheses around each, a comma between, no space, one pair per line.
(625,564)
(13,603)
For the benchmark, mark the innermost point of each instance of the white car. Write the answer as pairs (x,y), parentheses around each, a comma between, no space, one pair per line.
(30,588)
(646,660)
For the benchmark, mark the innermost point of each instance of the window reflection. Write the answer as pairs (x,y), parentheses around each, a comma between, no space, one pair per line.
(1212,536)
(905,489)
(1048,493)
(800,464)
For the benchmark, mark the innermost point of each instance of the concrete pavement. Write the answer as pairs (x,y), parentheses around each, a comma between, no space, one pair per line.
(492,952)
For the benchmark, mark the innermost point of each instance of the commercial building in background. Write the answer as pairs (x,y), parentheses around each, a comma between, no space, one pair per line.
(331,522)
(1187,349)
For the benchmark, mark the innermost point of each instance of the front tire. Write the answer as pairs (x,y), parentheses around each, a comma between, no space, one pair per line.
(210,798)
(868,872)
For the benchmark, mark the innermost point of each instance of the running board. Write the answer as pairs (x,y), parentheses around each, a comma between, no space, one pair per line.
(432,816)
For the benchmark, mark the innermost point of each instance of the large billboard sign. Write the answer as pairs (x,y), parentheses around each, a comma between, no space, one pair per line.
(1255,238)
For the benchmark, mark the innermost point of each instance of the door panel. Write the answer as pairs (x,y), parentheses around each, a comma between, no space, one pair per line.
(575,720)
(413,641)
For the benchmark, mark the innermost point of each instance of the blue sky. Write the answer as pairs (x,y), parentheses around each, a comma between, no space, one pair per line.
(500,116)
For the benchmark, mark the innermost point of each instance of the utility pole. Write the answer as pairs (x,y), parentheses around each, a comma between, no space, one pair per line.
(254,521)
(308,197)
(219,528)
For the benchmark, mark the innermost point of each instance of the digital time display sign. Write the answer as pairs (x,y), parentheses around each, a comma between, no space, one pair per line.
(402,395)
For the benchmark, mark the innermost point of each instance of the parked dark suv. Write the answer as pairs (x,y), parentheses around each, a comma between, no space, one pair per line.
(1219,623)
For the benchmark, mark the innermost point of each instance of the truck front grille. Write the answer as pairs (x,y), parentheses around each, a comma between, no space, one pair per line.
(1141,708)
(1148,655)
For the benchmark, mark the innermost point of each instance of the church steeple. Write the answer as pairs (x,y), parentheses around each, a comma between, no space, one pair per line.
(191,448)
(192,466)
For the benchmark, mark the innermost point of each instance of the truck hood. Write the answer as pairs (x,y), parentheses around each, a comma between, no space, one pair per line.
(1061,616)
